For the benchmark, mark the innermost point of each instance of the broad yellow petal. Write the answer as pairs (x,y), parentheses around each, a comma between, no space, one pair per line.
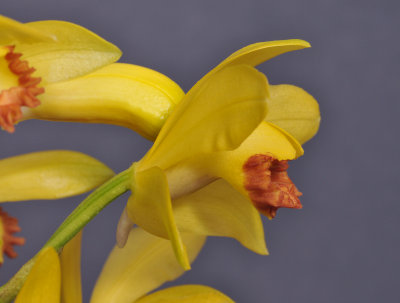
(257,53)
(12,32)
(71,289)
(145,263)
(293,109)
(50,175)
(266,139)
(219,210)
(216,115)
(150,207)
(123,94)
(186,294)
(44,281)
(76,51)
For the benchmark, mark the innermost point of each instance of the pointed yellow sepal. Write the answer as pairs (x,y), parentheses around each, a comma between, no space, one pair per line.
(121,94)
(44,281)
(12,32)
(71,288)
(72,52)
(219,210)
(216,115)
(186,294)
(150,207)
(50,175)
(293,109)
(145,263)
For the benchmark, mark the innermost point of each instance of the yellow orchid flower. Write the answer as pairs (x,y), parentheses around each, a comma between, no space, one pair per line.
(44,175)
(130,273)
(213,143)
(37,54)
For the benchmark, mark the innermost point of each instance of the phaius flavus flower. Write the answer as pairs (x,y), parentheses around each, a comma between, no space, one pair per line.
(38,54)
(215,154)
(40,176)
(144,264)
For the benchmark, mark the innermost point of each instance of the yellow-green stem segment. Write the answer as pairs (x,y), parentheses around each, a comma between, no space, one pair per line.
(82,215)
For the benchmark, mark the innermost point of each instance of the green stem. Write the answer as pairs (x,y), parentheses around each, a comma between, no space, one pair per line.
(81,216)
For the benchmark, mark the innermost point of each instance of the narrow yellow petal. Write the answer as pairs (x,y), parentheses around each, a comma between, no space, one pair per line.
(219,210)
(50,175)
(150,208)
(122,94)
(266,139)
(294,110)
(257,53)
(186,294)
(76,51)
(12,32)
(71,289)
(216,115)
(44,281)
(145,263)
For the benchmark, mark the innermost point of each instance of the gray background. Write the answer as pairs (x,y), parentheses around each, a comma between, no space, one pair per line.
(344,245)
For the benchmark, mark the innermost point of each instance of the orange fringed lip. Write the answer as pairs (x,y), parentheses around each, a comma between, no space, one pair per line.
(269,186)
(10,227)
(25,94)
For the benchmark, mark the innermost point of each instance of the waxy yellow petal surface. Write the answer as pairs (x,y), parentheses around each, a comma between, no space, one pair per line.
(145,263)
(71,288)
(50,175)
(74,52)
(186,294)
(12,31)
(293,109)
(127,95)
(150,207)
(219,210)
(216,115)
(44,281)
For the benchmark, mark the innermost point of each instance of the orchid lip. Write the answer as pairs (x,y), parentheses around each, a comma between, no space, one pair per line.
(23,94)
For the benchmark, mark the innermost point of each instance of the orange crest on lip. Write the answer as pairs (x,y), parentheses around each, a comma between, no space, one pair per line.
(12,99)
(269,185)
(8,228)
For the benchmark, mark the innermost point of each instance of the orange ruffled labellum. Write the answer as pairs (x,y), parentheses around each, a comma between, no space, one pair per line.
(269,185)
(8,227)
(21,88)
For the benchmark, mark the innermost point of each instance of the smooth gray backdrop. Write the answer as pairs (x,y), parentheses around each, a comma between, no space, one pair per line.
(344,245)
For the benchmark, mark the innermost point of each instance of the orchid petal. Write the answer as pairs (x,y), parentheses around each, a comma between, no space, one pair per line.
(50,175)
(216,115)
(76,51)
(44,281)
(145,263)
(186,294)
(293,109)
(150,208)
(219,210)
(12,31)
(71,289)
(121,94)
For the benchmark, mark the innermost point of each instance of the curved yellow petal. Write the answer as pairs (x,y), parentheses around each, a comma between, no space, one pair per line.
(76,51)
(123,94)
(145,263)
(216,115)
(219,210)
(12,31)
(150,207)
(44,281)
(186,294)
(50,175)
(71,288)
(293,109)
(257,53)
(266,139)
